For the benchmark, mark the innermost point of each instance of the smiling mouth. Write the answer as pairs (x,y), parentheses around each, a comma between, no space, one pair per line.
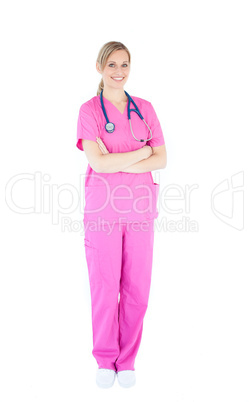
(117,79)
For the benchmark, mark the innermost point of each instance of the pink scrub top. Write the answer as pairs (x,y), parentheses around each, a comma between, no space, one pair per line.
(120,196)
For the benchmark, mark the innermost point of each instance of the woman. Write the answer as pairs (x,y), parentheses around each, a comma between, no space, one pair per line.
(121,205)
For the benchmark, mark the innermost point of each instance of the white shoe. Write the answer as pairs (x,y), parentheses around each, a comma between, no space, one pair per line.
(126,378)
(105,378)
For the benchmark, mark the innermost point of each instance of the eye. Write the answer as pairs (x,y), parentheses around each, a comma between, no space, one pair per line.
(126,65)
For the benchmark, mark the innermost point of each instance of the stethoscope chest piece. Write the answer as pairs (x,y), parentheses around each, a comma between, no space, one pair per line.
(110,127)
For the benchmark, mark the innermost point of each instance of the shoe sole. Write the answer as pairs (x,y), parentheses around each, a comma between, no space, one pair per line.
(105,385)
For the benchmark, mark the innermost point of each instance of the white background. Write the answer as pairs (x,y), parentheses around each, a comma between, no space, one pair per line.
(190,60)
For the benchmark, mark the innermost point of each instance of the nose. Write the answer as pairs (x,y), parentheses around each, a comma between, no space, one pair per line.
(118,70)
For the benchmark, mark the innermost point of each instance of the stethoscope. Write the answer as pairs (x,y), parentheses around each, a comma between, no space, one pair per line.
(110,127)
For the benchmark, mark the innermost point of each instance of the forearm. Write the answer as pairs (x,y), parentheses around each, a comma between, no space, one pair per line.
(116,162)
(154,162)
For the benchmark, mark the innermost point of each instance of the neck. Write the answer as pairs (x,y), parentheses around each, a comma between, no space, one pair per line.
(114,95)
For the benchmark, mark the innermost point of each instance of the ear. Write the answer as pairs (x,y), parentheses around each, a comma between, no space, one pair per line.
(98,68)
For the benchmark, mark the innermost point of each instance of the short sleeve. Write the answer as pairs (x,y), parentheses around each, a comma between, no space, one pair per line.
(87,126)
(157,133)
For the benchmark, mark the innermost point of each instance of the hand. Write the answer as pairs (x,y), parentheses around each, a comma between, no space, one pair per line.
(102,146)
(148,151)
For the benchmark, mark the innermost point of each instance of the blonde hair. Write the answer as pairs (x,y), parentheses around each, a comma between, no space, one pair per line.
(103,55)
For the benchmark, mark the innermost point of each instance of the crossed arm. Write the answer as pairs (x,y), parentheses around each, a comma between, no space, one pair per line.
(142,160)
(157,160)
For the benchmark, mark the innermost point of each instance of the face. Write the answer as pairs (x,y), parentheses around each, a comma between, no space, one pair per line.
(117,66)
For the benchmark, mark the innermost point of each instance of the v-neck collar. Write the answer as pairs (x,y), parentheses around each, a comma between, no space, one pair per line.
(107,100)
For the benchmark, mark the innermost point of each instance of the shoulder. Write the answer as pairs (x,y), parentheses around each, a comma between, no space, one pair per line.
(90,105)
(144,105)
(140,101)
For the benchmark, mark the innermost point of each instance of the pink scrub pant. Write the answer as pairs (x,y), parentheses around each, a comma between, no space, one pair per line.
(119,260)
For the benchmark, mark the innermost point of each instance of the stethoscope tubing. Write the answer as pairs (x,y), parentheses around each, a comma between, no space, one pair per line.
(129,117)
